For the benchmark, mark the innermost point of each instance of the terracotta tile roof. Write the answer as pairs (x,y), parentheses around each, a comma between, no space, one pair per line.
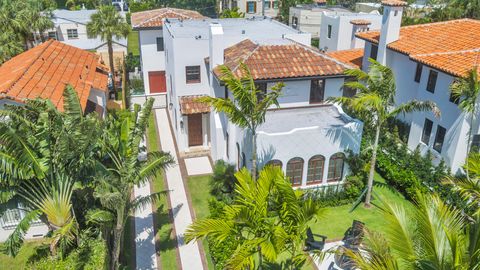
(360,22)
(154,18)
(394,3)
(451,37)
(189,105)
(455,63)
(287,60)
(353,56)
(45,70)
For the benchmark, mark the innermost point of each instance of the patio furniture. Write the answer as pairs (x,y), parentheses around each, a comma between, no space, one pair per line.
(311,243)
(354,235)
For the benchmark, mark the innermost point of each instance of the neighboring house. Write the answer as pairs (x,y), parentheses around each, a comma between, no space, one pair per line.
(44,72)
(308,17)
(149,25)
(253,8)
(305,136)
(338,29)
(426,59)
(367,7)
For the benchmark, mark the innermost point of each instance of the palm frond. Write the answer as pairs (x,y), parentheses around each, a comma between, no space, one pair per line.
(71,103)
(15,240)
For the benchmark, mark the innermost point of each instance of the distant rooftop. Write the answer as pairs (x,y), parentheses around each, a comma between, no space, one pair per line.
(321,8)
(154,18)
(69,16)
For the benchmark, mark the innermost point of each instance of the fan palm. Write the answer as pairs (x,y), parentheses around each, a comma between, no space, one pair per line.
(375,103)
(122,170)
(106,24)
(466,91)
(249,105)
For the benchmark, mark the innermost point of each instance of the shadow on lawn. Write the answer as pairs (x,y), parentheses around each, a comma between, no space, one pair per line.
(166,240)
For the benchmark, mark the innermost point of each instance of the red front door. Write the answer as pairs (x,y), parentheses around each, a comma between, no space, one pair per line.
(157,82)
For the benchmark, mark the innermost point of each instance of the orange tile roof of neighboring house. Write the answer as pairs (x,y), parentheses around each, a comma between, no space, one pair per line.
(189,105)
(154,18)
(353,56)
(45,70)
(450,37)
(289,60)
(455,63)
(360,22)
(394,3)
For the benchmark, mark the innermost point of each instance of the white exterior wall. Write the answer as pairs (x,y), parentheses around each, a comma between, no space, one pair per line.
(35,232)
(63,27)
(269,12)
(151,59)
(309,20)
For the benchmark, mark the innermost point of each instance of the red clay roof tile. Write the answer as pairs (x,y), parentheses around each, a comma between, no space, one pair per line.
(353,56)
(394,3)
(189,105)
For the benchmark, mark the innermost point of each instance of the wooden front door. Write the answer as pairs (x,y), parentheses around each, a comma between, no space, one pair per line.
(157,82)
(195,129)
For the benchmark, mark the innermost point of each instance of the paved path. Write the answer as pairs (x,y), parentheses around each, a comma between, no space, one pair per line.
(189,253)
(145,255)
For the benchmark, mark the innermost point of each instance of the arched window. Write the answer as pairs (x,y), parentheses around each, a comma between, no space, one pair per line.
(335,167)
(295,171)
(315,169)
(275,163)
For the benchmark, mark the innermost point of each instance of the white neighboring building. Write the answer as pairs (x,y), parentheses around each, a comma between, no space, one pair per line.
(308,17)
(149,25)
(305,136)
(253,8)
(426,59)
(338,29)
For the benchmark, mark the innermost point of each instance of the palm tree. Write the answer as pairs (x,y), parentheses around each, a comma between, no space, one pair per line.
(106,24)
(249,105)
(469,187)
(375,103)
(429,235)
(9,47)
(122,170)
(267,217)
(232,13)
(466,91)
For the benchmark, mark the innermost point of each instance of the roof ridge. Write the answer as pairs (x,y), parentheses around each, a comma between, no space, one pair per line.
(243,59)
(445,53)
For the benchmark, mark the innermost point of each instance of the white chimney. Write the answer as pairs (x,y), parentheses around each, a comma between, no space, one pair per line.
(216,45)
(391,22)
(358,25)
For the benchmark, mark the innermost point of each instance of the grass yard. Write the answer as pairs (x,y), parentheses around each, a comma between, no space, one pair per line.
(338,219)
(132,43)
(21,260)
(165,236)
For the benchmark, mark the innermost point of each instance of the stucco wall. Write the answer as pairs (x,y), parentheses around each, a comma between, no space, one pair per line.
(309,20)
(152,60)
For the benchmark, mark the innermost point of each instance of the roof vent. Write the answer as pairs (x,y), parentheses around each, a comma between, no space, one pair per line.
(198,37)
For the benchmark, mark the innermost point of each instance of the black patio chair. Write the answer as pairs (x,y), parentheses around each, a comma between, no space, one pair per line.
(311,243)
(354,235)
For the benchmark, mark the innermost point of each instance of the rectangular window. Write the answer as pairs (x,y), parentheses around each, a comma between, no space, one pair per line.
(226,92)
(160,44)
(432,81)
(251,6)
(294,22)
(262,87)
(418,72)
(475,143)
(72,33)
(373,51)
(317,91)
(454,98)
(427,131)
(439,138)
(348,91)
(193,74)
(329,31)
(268,4)
(52,35)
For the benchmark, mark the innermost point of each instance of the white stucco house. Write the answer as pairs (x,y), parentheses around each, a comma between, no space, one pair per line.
(306,136)
(426,59)
(149,25)
(253,8)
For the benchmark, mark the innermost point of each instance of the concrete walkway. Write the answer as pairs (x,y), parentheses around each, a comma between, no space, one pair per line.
(189,253)
(145,254)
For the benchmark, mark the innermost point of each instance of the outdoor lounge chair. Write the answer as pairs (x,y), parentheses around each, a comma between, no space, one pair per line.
(354,235)
(311,243)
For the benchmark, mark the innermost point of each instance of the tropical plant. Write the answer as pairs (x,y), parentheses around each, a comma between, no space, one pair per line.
(375,104)
(223,181)
(124,167)
(232,13)
(107,23)
(249,105)
(466,92)
(469,187)
(266,218)
(429,235)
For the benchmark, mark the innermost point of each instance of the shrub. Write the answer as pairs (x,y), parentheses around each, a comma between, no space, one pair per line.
(336,195)
(132,61)
(223,181)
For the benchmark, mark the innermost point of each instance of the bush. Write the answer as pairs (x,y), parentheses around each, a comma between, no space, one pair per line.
(132,61)
(223,182)
(337,195)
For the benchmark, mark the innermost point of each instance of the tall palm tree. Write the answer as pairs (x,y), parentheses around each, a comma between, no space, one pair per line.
(467,91)
(267,217)
(122,170)
(375,103)
(249,105)
(107,23)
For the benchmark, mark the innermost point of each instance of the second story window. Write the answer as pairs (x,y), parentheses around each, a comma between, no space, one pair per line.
(427,131)
(317,91)
(192,74)
(418,72)
(251,7)
(262,88)
(52,34)
(439,138)
(329,31)
(432,81)
(72,33)
(160,47)
(268,4)
(373,51)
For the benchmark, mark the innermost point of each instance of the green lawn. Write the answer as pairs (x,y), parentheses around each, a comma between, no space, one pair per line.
(338,219)
(165,236)
(21,260)
(132,43)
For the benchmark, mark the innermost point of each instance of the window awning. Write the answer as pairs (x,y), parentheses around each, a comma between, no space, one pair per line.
(190,105)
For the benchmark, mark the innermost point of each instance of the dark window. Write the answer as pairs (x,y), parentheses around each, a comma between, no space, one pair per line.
(475,143)
(160,44)
(315,170)
(418,72)
(294,22)
(454,98)
(244,160)
(373,51)
(335,167)
(329,31)
(317,91)
(262,90)
(52,34)
(348,91)
(295,171)
(427,131)
(432,81)
(227,139)
(226,92)
(439,138)
(72,33)
(268,4)
(239,165)
(193,74)
(251,7)
(275,163)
